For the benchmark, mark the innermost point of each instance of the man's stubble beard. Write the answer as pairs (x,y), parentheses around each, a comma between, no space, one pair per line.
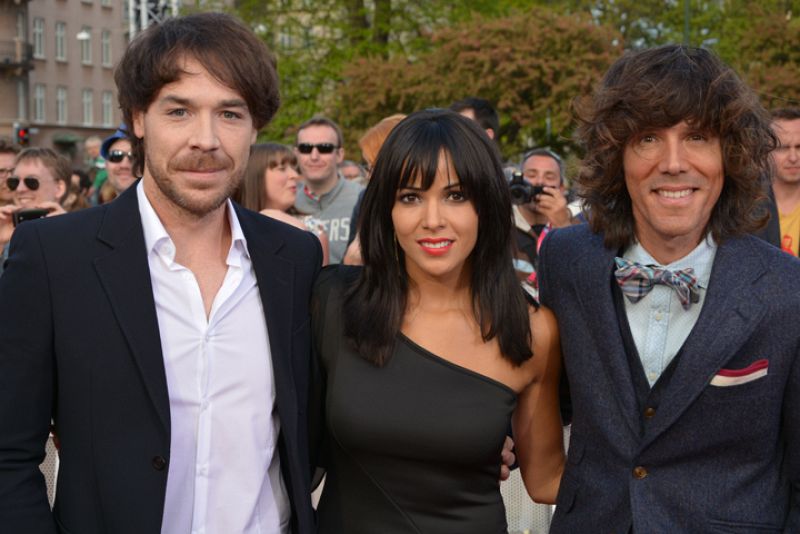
(198,209)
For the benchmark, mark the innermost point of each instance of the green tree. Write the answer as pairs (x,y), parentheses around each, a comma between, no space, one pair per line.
(530,66)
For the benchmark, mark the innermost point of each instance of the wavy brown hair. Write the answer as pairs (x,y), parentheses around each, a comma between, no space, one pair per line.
(658,88)
(222,44)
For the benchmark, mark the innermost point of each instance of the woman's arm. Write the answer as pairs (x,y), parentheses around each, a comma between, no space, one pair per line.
(537,421)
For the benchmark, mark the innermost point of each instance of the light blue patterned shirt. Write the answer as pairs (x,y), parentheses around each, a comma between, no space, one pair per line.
(659,324)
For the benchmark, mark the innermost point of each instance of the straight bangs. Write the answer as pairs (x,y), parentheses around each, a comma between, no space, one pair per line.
(375,304)
(282,156)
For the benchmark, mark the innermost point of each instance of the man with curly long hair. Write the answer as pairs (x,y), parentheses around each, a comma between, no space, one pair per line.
(682,354)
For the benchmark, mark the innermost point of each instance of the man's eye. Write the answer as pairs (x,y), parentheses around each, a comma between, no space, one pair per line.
(231,115)
(177,112)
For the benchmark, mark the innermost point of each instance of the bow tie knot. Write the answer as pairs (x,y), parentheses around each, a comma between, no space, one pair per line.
(636,281)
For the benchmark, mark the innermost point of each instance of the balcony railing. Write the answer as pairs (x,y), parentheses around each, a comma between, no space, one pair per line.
(16,54)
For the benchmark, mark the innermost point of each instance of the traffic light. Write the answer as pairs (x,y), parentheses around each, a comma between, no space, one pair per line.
(22,135)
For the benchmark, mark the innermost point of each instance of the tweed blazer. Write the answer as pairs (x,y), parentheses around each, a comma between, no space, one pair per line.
(716,455)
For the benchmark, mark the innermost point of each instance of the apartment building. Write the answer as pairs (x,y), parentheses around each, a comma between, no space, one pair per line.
(57,61)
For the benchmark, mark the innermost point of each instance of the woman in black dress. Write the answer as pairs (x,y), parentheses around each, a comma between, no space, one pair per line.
(427,352)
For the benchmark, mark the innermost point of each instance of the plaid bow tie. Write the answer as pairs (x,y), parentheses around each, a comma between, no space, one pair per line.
(636,281)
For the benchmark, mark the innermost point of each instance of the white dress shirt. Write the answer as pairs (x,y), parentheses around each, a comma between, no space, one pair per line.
(224,471)
(659,324)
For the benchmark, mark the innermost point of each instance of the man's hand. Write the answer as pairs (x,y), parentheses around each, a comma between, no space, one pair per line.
(553,204)
(54,207)
(508,458)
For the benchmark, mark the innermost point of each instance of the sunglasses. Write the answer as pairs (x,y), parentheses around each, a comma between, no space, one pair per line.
(323,148)
(12,182)
(116,156)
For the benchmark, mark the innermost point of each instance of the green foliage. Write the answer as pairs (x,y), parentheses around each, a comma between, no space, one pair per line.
(358,61)
(530,66)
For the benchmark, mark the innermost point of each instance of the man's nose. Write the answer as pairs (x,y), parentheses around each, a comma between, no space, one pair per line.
(672,157)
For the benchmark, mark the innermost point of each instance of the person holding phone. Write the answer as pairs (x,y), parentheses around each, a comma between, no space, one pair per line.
(38,183)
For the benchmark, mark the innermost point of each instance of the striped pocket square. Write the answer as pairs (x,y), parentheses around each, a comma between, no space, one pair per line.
(736,377)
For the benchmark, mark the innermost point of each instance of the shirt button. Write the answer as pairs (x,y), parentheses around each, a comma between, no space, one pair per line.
(639,472)
(658,316)
(649,412)
(159,463)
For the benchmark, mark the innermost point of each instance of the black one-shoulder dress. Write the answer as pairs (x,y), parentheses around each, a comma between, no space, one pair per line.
(411,447)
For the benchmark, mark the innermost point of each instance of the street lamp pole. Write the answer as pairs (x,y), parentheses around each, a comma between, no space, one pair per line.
(686,16)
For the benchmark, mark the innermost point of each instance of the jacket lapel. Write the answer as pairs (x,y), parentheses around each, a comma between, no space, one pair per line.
(597,303)
(731,311)
(275,277)
(125,276)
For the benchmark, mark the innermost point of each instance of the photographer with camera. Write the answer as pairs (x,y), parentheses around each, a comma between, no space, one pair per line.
(38,183)
(540,204)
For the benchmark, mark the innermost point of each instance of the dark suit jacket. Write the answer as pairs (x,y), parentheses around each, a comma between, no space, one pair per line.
(710,458)
(79,342)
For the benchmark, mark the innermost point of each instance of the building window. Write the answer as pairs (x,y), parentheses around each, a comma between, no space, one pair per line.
(105,3)
(88,119)
(86,46)
(38,37)
(108,108)
(105,48)
(61,105)
(22,100)
(61,41)
(38,103)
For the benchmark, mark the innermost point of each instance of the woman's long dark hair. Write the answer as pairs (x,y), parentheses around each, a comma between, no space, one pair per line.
(375,304)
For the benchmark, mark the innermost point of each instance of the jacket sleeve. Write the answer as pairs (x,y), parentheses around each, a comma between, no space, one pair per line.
(26,385)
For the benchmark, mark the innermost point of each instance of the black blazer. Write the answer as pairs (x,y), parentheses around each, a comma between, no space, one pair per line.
(79,343)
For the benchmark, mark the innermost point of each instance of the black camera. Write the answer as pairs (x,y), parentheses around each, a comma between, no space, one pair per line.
(521,191)
(26,215)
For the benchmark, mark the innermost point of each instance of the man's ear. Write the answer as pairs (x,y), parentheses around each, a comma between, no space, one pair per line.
(490,133)
(61,190)
(340,155)
(138,124)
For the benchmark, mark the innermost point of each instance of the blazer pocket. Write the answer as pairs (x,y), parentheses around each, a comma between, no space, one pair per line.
(718,526)
(738,377)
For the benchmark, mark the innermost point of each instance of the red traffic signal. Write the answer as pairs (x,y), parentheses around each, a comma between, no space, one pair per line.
(22,135)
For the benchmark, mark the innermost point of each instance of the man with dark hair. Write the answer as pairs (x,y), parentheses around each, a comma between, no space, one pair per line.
(682,353)
(184,411)
(786,179)
(481,111)
(325,194)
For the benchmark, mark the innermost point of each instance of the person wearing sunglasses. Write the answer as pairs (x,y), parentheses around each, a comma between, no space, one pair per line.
(325,194)
(40,179)
(118,175)
(8,153)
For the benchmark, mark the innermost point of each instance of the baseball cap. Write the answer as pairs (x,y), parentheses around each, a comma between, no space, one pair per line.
(121,133)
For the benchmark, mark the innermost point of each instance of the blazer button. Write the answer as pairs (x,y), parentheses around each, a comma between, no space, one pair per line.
(639,472)
(649,412)
(159,463)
